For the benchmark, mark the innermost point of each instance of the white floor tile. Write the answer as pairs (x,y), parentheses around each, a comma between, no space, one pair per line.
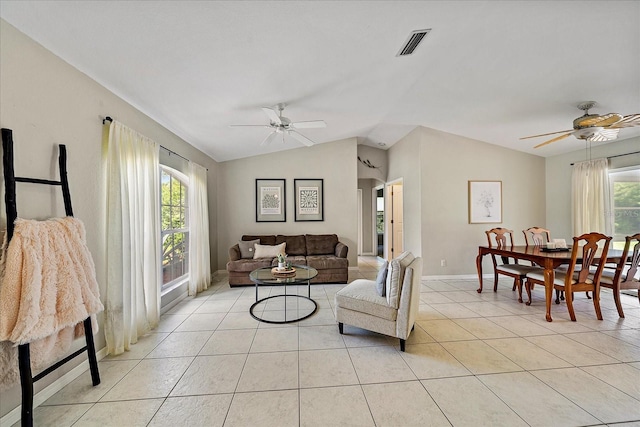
(334,406)
(483,359)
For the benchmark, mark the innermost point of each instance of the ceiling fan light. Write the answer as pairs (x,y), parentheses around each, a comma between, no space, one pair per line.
(586,133)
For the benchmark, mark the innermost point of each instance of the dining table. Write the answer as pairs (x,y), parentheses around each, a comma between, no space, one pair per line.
(547,259)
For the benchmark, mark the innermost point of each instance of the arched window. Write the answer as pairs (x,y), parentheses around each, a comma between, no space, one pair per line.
(174,186)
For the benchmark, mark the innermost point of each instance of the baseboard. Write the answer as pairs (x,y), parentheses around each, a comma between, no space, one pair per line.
(39,398)
(173,303)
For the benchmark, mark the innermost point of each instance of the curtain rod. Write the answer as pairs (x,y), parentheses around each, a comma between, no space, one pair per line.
(618,155)
(109,119)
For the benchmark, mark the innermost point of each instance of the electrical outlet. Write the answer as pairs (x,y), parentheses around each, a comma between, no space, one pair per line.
(443,263)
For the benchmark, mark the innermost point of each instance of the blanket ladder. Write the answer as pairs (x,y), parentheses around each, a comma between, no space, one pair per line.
(24,356)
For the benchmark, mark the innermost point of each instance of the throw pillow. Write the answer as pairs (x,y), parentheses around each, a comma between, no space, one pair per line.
(246,248)
(395,277)
(381,280)
(264,251)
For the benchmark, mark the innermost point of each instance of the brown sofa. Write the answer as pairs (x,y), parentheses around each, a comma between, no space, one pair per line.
(321,251)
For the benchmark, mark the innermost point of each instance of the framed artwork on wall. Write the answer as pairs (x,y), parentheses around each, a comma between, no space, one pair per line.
(270,200)
(309,203)
(485,202)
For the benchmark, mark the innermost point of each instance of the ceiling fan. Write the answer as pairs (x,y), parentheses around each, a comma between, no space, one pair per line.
(283,125)
(593,127)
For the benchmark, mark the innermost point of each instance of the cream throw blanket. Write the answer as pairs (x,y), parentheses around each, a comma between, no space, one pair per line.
(48,288)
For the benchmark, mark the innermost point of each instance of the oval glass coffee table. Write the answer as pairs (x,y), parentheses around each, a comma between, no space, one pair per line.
(283,307)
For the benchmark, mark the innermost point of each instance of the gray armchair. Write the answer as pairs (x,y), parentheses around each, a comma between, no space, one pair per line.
(359,303)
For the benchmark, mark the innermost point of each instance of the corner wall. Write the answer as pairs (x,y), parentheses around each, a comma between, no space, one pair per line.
(441,164)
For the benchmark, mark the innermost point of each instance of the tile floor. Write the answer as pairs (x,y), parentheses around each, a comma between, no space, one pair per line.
(473,360)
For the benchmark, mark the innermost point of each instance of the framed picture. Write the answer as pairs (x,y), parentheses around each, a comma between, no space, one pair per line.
(485,202)
(270,200)
(309,205)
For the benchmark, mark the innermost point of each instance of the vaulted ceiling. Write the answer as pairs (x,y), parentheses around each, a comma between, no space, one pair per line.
(492,71)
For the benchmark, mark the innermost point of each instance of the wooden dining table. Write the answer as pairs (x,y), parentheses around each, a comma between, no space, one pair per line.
(548,260)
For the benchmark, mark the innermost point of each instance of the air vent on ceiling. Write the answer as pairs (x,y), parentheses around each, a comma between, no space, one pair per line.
(412,42)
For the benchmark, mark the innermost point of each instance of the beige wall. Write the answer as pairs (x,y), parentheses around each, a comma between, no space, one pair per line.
(558,173)
(335,162)
(45,102)
(441,164)
(404,164)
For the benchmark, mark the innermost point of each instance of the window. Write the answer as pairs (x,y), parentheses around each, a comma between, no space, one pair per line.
(175,227)
(625,203)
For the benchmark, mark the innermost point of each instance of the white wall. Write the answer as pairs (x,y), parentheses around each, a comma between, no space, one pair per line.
(558,173)
(45,102)
(335,162)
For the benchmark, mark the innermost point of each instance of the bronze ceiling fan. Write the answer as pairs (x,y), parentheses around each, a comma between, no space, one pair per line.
(593,127)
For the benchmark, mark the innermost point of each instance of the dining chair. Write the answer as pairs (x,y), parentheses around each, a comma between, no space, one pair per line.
(584,254)
(502,238)
(625,275)
(536,236)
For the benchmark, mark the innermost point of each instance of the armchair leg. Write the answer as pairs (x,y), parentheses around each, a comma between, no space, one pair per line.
(402,345)
(341,327)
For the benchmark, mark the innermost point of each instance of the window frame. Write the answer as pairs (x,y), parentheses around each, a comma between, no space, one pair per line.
(184,181)
(618,238)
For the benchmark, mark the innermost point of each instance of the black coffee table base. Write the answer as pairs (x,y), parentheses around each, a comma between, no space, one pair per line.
(285,296)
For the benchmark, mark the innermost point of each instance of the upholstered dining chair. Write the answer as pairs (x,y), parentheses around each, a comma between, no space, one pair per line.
(626,274)
(502,238)
(538,236)
(579,276)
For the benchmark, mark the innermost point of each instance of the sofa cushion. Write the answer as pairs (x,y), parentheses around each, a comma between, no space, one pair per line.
(321,244)
(296,245)
(324,262)
(247,248)
(381,280)
(293,259)
(395,276)
(361,295)
(248,265)
(264,240)
(266,251)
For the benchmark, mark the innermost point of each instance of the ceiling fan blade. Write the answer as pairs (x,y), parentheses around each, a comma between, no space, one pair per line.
(269,138)
(627,122)
(309,124)
(300,137)
(557,138)
(603,120)
(272,114)
(546,134)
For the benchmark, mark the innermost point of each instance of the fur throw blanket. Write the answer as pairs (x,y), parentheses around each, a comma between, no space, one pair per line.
(48,288)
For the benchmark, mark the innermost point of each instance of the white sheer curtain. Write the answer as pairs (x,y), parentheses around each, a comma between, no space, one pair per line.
(199,262)
(590,196)
(133,237)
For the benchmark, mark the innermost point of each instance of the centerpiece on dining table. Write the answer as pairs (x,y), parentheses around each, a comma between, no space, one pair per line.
(284,268)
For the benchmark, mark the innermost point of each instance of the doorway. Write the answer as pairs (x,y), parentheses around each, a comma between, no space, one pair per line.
(395,222)
(379,221)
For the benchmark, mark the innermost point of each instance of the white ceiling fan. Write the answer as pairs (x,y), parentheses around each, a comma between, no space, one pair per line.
(283,125)
(593,127)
